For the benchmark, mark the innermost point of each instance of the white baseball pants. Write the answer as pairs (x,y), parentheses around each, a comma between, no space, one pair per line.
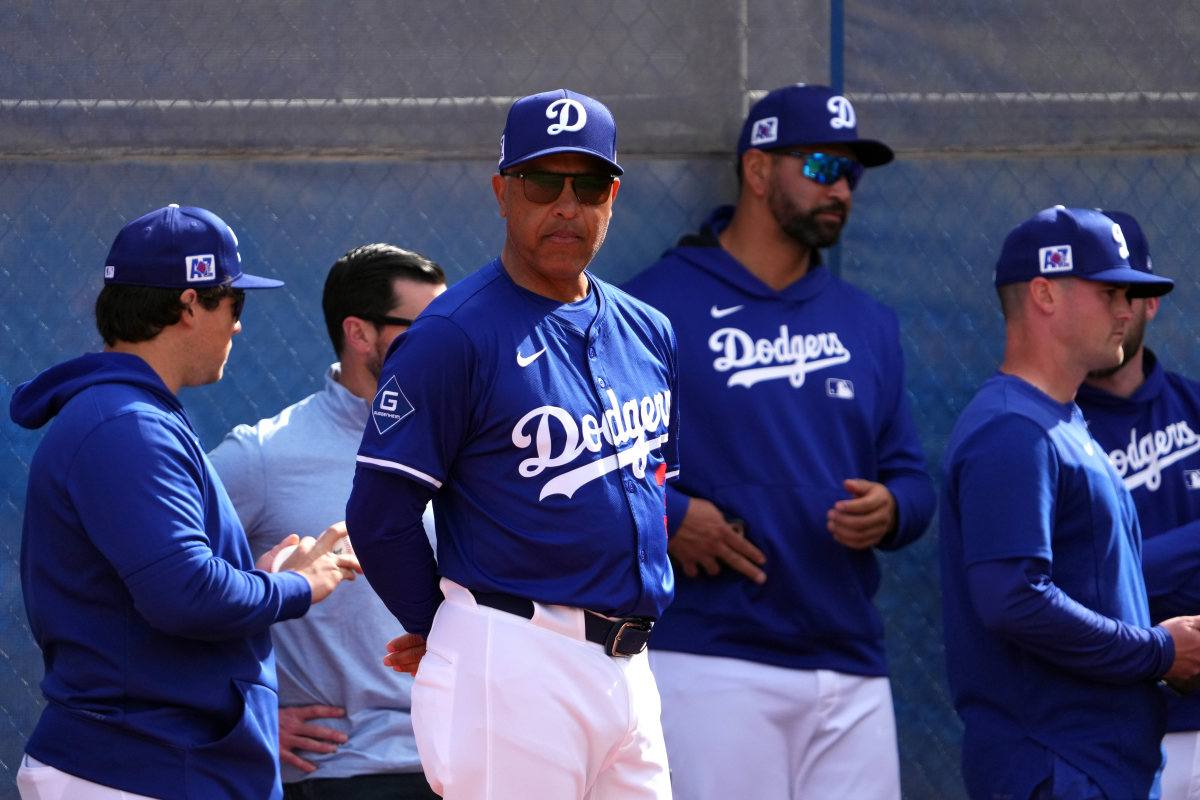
(1181,775)
(737,728)
(38,781)
(506,708)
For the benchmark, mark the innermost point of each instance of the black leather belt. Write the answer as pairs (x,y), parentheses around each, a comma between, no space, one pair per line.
(622,637)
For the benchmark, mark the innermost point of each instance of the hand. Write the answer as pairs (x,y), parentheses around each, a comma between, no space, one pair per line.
(405,653)
(706,541)
(321,561)
(1185,632)
(866,518)
(296,734)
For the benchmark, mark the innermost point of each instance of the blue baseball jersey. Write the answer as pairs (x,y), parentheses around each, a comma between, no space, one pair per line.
(1023,482)
(787,394)
(1153,441)
(547,433)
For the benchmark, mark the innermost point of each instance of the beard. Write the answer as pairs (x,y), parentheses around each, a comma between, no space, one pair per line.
(804,227)
(1130,346)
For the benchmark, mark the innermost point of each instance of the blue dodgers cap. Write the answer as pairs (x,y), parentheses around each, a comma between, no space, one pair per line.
(1139,248)
(1061,242)
(805,115)
(561,121)
(178,247)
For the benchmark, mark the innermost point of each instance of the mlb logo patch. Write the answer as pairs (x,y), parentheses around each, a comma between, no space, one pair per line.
(839,388)
(390,406)
(765,131)
(110,271)
(201,268)
(1055,259)
(1191,477)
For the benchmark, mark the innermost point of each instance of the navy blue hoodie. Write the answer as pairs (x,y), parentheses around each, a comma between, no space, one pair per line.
(142,594)
(791,392)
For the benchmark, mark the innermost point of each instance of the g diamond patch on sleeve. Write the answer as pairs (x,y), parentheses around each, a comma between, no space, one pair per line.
(390,406)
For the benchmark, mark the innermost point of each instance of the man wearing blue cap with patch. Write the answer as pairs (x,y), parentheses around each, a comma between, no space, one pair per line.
(803,461)
(138,580)
(1148,420)
(1050,651)
(536,405)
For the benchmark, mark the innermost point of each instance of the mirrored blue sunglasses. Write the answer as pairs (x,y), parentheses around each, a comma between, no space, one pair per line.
(826,169)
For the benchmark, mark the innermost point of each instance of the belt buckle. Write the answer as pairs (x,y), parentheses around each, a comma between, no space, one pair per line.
(617,633)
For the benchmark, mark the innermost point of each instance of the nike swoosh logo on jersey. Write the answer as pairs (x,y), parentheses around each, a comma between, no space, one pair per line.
(717,313)
(525,361)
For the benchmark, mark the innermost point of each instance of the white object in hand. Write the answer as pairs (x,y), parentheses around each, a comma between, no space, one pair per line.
(282,556)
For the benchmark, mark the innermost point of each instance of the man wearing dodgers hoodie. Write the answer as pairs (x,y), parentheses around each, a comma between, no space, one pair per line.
(138,580)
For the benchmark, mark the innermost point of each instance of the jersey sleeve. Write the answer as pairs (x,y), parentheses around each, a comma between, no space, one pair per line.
(421,415)
(150,522)
(677,505)
(1171,565)
(390,540)
(1016,599)
(1004,476)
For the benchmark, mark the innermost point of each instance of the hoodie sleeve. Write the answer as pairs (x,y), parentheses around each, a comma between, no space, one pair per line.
(1171,565)
(159,516)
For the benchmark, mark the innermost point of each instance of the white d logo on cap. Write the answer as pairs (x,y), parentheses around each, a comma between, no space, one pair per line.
(562,109)
(843,112)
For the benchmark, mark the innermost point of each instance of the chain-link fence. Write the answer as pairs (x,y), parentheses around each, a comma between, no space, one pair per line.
(314,127)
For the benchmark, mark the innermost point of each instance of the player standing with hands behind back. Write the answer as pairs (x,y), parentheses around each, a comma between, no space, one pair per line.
(538,403)
(794,382)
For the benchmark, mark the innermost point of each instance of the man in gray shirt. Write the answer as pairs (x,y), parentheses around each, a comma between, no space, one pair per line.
(345,730)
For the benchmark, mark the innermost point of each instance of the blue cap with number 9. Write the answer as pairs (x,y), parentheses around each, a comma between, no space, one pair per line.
(1062,242)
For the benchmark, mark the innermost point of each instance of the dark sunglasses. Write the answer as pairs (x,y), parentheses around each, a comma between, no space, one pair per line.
(591,189)
(826,169)
(384,319)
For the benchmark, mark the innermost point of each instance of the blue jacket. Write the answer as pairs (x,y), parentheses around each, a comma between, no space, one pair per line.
(1049,650)
(142,594)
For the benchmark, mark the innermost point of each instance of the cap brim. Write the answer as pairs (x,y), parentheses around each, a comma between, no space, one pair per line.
(871,153)
(1140,283)
(245,281)
(551,150)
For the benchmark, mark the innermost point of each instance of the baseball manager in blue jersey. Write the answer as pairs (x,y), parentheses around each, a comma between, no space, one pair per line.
(1148,420)
(1050,650)
(809,463)
(536,404)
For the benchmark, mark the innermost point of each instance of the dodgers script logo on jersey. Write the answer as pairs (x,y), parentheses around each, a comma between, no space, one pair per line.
(750,360)
(1142,461)
(559,440)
